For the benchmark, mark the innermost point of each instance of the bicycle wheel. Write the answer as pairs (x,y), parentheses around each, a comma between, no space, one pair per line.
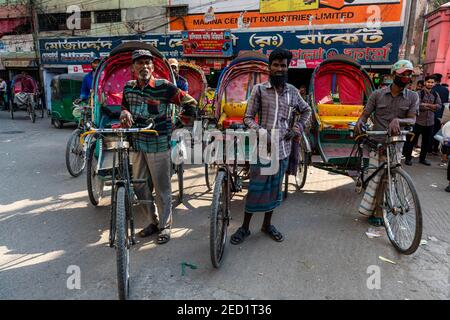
(122,245)
(210,175)
(95,184)
(219,219)
(75,155)
(180,172)
(302,171)
(402,213)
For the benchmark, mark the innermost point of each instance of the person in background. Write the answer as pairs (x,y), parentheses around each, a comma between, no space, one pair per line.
(3,88)
(86,85)
(430,103)
(419,85)
(182,83)
(302,91)
(443,95)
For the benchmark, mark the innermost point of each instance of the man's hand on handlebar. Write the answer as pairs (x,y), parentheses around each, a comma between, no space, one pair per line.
(126,119)
(359,127)
(394,127)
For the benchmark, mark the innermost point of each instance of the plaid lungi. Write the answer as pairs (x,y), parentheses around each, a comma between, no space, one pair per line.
(264,191)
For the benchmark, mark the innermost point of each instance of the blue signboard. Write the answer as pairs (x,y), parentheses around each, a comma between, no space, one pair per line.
(367,46)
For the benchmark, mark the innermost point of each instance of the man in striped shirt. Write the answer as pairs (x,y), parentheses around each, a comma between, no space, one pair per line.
(273,103)
(143,99)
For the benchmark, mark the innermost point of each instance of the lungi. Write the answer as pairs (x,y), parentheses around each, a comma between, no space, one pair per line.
(264,191)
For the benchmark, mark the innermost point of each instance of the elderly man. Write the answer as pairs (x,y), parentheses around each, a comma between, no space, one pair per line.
(143,99)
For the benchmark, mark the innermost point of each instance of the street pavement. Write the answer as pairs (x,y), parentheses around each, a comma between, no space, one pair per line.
(48,225)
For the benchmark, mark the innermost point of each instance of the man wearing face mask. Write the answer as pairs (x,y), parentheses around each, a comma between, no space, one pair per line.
(390,108)
(150,98)
(274,103)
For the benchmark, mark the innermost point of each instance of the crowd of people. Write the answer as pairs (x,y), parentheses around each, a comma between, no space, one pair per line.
(434,101)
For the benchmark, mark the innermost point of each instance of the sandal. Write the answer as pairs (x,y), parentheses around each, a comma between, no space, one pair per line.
(376,222)
(239,236)
(148,231)
(273,233)
(163,236)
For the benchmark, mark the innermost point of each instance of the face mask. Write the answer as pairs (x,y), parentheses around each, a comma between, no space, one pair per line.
(278,81)
(401,81)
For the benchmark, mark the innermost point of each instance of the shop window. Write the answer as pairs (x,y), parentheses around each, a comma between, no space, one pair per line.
(108,16)
(58,21)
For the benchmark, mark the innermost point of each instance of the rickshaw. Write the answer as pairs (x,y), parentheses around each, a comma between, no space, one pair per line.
(21,100)
(197,86)
(339,90)
(109,156)
(230,102)
(66,89)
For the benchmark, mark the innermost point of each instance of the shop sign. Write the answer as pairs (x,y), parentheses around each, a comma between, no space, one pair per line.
(376,46)
(16,63)
(260,14)
(207,43)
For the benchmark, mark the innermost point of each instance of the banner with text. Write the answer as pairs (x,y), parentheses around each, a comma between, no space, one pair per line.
(362,12)
(207,44)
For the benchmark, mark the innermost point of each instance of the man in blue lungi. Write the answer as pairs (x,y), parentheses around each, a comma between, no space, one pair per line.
(273,103)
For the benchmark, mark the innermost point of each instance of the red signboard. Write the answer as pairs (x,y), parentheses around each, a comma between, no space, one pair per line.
(207,44)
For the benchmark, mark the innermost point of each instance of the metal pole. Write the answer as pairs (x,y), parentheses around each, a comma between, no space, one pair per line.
(34,28)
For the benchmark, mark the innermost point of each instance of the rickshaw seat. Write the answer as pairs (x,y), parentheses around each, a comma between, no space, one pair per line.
(337,116)
(232,120)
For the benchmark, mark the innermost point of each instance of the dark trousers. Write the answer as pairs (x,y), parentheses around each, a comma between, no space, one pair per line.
(2,99)
(427,136)
(434,147)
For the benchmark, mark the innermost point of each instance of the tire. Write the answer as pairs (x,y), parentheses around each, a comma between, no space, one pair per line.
(210,175)
(396,223)
(302,171)
(180,172)
(58,123)
(122,245)
(210,172)
(219,219)
(75,154)
(95,185)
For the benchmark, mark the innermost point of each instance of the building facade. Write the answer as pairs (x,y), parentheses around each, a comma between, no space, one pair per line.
(437,58)
(369,31)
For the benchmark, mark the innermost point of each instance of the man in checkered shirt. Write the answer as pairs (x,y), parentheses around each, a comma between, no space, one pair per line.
(150,98)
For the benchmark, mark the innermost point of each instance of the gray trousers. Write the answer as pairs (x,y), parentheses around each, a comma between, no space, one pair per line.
(156,168)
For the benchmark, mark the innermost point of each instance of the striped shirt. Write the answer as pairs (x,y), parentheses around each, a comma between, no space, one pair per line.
(263,100)
(154,101)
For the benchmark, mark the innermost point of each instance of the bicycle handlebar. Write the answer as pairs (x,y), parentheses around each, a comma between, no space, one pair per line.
(381,133)
(147,129)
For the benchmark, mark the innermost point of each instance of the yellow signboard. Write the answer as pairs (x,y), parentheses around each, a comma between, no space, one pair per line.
(268,6)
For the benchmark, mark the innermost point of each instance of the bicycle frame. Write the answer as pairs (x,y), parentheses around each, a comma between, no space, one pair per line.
(386,165)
